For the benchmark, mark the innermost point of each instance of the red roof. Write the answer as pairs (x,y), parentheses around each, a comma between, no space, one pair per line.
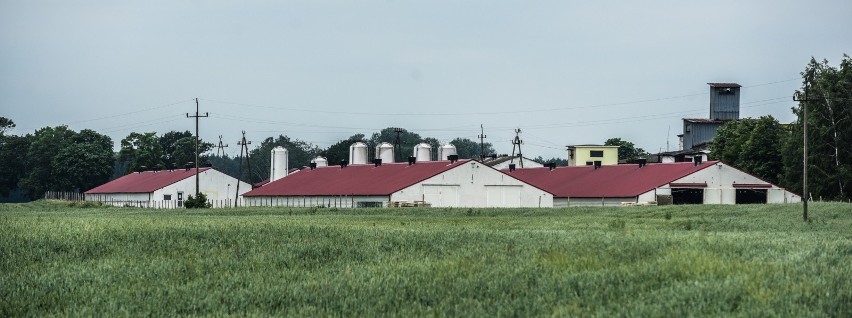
(145,182)
(617,181)
(354,179)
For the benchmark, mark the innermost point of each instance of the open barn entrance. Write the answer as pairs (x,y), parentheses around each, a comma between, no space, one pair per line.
(687,196)
(751,196)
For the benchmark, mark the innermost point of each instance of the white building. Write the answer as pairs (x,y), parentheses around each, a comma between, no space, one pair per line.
(168,188)
(680,183)
(464,183)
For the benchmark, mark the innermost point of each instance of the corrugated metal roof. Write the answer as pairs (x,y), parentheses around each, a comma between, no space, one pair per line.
(145,182)
(704,120)
(723,85)
(354,179)
(618,181)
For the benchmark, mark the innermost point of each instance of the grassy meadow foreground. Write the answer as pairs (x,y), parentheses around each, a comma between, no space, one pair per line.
(759,260)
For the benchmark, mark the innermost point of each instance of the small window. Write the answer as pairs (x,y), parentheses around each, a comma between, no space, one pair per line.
(596,153)
(370,204)
(167,197)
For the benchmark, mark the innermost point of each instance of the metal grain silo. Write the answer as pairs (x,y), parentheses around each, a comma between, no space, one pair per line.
(358,153)
(278,166)
(320,161)
(446,150)
(384,151)
(423,152)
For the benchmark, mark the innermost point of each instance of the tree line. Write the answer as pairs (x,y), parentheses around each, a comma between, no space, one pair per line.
(774,151)
(61,159)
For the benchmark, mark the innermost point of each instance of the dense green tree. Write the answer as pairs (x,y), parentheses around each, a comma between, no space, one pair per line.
(340,150)
(84,164)
(626,150)
(41,175)
(13,159)
(469,149)
(829,90)
(179,147)
(299,154)
(5,124)
(407,139)
(225,164)
(141,150)
(752,145)
(560,162)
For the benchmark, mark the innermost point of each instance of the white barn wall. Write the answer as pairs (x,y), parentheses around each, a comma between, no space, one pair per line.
(568,202)
(470,185)
(118,197)
(214,185)
(720,190)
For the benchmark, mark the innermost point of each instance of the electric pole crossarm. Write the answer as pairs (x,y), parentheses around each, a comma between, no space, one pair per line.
(196,116)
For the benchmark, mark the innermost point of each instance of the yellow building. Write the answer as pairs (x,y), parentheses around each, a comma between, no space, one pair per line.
(588,155)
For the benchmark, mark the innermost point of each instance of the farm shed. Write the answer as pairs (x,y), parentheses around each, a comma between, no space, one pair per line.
(464,183)
(166,188)
(683,183)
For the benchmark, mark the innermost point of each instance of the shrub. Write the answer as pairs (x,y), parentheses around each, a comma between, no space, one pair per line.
(198,202)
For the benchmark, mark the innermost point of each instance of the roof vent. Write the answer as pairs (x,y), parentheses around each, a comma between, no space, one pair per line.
(494,156)
(511,167)
(313,165)
(642,162)
(141,168)
(344,163)
(697,160)
(188,165)
(551,166)
(174,166)
(453,158)
(597,165)
(412,160)
(377,162)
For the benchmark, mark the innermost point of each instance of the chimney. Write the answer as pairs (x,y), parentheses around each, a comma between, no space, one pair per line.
(141,168)
(453,158)
(174,166)
(412,160)
(188,165)
(697,160)
(377,162)
(511,167)
(313,165)
(597,165)
(551,166)
(642,162)
(344,163)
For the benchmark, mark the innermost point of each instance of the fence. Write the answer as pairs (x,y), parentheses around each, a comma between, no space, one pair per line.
(65,196)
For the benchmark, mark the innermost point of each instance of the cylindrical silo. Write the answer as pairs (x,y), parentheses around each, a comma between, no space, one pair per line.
(320,161)
(278,167)
(423,152)
(358,153)
(446,150)
(384,151)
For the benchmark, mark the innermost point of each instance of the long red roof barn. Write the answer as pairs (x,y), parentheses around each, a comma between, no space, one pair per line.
(615,181)
(354,179)
(144,182)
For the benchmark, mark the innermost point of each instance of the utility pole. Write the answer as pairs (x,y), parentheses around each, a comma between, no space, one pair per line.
(481,142)
(196,116)
(397,143)
(517,143)
(804,101)
(243,146)
(221,148)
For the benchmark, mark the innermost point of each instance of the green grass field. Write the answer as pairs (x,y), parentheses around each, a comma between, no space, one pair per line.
(759,260)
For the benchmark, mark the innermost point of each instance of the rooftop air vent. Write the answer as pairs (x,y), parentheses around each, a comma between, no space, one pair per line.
(511,167)
(412,160)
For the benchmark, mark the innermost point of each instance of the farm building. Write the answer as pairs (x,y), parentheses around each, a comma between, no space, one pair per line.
(503,162)
(464,183)
(680,183)
(589,155)
(167,188)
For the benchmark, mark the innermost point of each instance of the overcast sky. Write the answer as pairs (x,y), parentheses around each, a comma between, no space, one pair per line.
(564,72)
